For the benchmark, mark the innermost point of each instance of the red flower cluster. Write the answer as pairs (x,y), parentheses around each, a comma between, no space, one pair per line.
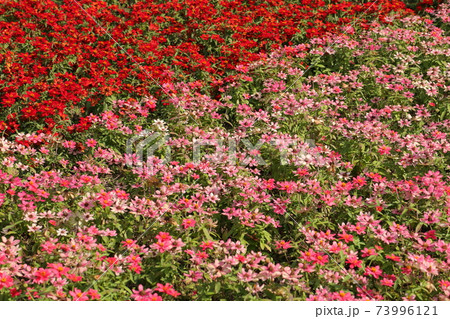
(61,60)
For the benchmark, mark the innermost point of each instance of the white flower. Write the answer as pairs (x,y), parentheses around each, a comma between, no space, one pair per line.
(34,228)
(160,125)
(62,232)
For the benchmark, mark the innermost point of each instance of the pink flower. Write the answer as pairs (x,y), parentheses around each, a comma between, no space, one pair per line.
(201,255)
(383,150)
(319,258)
(329,200)
(247,275)
(153,297)
(207,245)
(445,286)
(283,244)
(393,257)
(78,295)
(353,261)
(91,142)
(69,144)
(162,246)
(93,294)
(59,269)
(142,295)
(387,282)
(74,277)
(194,275)
(168,289)
(343,296)
(346,237)
(366,252)
(163,236)
(42,275)
(301,172)
(145,295)
(129,243)
(5,281)
(374,271)
(188,223)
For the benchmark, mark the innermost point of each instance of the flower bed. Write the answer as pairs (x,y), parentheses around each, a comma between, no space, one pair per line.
(59,62)
(320,173)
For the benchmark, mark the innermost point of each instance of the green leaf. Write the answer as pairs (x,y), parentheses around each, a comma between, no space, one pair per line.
(206,232)
(217,287)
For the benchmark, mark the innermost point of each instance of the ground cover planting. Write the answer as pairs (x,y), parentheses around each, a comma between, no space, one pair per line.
(309,164)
